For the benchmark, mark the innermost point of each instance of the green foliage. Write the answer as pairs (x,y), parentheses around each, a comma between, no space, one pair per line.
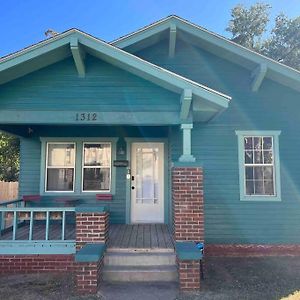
(284,43)
(248,26)
(9,157)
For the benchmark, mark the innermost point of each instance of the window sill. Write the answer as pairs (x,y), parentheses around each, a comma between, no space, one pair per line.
(82,194)
(260,199)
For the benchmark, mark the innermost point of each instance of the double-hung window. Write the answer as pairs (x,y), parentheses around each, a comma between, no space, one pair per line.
(259,165)
(77,167)
(96,172)
(60,167)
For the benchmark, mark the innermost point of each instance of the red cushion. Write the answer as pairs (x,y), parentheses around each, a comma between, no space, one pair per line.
(103,197)
(31,198)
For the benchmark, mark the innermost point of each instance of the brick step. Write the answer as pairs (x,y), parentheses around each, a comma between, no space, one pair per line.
(165,273)
(139,259)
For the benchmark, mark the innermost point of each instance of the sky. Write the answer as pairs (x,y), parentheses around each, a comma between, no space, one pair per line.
(24,22)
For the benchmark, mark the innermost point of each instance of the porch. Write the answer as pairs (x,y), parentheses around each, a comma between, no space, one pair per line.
(44,228)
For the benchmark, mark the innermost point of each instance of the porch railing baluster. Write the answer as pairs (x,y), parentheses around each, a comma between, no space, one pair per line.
(2,221)
(63,224)
(15,224)
(47,226)
(30,225)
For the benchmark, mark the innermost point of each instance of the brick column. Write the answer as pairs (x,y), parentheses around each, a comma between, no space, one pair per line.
(92,225)
(88,277)
(188,205)
(189,275)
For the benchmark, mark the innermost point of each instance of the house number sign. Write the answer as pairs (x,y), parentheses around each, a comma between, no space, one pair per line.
(86,117)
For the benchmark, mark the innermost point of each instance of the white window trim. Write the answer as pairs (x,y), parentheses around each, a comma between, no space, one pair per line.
(62,167)
(99,167)
(78,164)
(276,165)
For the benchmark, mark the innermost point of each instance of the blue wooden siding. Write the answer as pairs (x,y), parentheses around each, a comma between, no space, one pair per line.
(31,162)
(274,107)
(227,219)
(105,88)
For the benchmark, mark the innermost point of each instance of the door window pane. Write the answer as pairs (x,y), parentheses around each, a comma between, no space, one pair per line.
(147,175)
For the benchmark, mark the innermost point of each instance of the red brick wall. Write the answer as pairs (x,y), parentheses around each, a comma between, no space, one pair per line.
(189,274)
(88,277)
(252,250)
(188,205)
(91,228)
(36,263)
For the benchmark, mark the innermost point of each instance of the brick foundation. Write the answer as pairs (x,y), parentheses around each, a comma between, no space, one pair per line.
(189,275)
(188,206)
(187,194)
(88,277)
(91,228)
(16,264)
(250,250)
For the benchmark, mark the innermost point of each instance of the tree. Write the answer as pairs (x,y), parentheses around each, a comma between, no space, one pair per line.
(284,43)
(9,157)
(249,25)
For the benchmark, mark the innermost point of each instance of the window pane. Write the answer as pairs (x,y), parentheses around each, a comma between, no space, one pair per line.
(61,155)
(267,143)
(258,157)
(249,173)
(96,179)
(248,142)
(249,187)
(147,175)
(97,154)
(268,173)
(268,157)
(269,187)
(258,173)
(257,143)
(60,179)
(258,187)
(249,157)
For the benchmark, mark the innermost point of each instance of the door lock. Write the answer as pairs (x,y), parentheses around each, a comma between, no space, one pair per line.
(132,187)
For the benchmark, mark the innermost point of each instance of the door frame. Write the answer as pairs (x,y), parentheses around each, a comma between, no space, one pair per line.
(166,175)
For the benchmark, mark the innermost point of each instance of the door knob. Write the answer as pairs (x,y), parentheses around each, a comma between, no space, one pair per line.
(132,187)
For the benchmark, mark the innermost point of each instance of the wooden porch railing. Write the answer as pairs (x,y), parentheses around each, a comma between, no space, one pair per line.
(14,215)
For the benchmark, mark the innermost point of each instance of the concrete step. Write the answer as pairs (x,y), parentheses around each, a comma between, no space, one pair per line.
(139,259)
(140,273)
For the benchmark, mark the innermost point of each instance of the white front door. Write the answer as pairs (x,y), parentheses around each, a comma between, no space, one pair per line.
(147,183)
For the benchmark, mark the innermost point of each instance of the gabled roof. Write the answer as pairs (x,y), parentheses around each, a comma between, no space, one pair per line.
(213,43)
(77,43)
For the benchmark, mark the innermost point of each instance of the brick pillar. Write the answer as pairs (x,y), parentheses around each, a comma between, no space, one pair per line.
(188,205)
(187,194)
(189,275)
(91,227)
(88,277)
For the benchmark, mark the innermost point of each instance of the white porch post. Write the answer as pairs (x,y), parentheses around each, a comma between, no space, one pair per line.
(187,143)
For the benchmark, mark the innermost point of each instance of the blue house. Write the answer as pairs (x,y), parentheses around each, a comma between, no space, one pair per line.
(171,134)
